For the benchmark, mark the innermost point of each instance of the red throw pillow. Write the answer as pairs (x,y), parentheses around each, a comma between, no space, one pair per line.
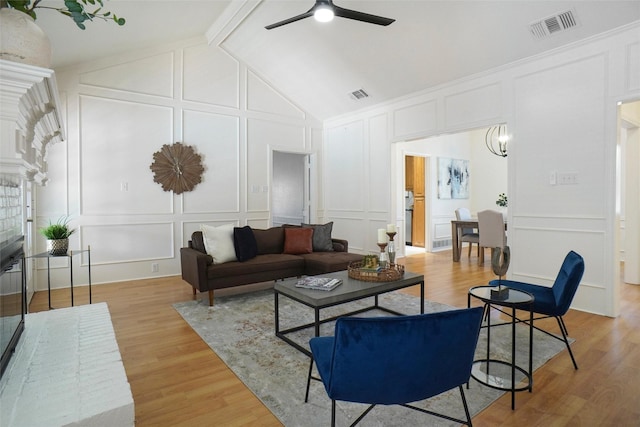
(298,240)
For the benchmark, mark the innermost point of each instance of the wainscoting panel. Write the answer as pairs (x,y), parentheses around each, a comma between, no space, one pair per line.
(345,151)
(263,98)
(211,76)
(354,230)
(633,67)
(379,165)
(419,119)
(113,126)
(538,252)
(217,139)
(129,242)
(478,105)
(149,76)
(545,97)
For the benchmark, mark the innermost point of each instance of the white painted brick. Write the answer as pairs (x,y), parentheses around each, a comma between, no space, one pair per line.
(67,371)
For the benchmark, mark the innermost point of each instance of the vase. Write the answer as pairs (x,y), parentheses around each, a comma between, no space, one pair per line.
(57,247)
(22,40)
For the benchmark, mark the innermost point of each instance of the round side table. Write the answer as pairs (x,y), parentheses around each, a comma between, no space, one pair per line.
(491,371)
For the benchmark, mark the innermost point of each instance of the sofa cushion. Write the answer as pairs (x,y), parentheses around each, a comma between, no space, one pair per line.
(218,242)
(197,242)
(321,236)
(327,262)
(260,264)
(269,241)
(298,240)
(245,243)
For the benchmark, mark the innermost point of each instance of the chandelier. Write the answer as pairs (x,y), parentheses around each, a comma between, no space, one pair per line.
(496,140)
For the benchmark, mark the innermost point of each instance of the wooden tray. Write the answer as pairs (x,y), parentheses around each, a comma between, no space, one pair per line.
(387,275)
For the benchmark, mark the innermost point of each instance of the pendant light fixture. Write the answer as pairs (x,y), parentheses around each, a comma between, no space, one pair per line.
(496,140)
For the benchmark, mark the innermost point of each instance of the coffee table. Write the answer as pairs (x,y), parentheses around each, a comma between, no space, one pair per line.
(349,290)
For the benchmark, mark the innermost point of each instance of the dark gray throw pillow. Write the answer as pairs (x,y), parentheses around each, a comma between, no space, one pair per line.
(245,243)
(321,239)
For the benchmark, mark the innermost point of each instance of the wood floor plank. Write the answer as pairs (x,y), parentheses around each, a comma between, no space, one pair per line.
(177,380)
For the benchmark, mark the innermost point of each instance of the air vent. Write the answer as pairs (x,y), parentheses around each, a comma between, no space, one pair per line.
(359,94)
(553,24)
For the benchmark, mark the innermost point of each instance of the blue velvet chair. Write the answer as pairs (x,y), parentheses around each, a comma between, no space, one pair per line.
(397,360)
(554,301)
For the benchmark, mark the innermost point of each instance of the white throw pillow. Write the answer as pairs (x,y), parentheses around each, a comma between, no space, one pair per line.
(218,241)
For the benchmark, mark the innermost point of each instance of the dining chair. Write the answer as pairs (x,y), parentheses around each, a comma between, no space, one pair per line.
(554,301)
(467,234)
(397,360)
(492,232)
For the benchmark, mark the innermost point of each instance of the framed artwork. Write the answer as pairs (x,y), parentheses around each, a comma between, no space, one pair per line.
(453,178)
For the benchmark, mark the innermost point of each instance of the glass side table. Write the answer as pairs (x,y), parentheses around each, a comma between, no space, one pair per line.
(490,371)
(69,255)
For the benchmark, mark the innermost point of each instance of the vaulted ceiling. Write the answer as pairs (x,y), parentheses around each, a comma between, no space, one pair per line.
(317,65)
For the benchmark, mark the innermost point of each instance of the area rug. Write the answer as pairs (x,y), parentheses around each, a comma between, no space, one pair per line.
(240,330)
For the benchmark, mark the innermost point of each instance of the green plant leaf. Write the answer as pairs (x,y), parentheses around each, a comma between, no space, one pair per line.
(57,230)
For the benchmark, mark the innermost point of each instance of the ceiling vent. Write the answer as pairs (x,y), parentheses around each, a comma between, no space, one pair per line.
(553,24)
(359,94)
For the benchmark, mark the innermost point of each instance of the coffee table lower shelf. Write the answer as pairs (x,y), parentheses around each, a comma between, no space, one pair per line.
(282,334)
(350,290)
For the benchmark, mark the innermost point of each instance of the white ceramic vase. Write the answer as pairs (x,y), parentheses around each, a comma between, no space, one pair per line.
(21,40)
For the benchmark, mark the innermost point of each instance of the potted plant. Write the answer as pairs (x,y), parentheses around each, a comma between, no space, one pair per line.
(502,200)
(23,41)
(57,235)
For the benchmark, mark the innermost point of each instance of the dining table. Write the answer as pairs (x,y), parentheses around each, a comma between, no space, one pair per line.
(456,233)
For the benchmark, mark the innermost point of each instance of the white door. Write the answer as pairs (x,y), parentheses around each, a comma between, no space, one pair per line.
(290,201)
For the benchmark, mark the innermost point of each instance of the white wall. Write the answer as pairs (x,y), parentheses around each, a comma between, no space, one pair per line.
(121,110)
(561,110)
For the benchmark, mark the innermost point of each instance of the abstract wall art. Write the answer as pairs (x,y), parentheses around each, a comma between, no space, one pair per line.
(453,178)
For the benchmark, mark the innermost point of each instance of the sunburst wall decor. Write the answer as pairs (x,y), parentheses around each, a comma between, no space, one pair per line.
(177,167)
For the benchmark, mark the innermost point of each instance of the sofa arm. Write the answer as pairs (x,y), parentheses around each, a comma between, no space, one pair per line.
(194,268)
(340,245)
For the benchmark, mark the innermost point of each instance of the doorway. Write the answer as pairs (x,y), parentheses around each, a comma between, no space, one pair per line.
(415,203)
(290,183)
(627,194)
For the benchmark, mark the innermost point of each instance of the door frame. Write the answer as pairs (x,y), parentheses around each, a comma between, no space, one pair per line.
(310,197)
(427,194)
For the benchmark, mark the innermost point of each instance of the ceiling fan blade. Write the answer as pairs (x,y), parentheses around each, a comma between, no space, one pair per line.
(290,20)
(361,16)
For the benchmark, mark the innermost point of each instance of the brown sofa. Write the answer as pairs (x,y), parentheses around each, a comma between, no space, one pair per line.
(270,263)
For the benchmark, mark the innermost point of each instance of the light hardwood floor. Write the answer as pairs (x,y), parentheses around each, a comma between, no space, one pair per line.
(177,380)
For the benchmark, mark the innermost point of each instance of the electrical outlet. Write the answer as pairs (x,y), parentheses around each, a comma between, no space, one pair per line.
(568,178)
(155,267)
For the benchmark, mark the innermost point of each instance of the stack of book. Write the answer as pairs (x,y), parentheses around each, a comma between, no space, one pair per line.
(320,283)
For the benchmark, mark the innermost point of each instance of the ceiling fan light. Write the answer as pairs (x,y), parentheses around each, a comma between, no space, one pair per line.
(323,14)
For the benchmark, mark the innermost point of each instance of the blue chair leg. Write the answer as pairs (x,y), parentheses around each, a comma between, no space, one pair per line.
(333,413)
(306,396)
(464,403)
(563,329)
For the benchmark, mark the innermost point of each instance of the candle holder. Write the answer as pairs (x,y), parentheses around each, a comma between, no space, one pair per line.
(391,249)
(382,259)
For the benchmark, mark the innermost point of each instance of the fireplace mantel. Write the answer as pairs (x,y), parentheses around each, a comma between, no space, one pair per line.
(30,119)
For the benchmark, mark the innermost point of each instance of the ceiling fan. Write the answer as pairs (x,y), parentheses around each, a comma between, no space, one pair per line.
(325,10)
